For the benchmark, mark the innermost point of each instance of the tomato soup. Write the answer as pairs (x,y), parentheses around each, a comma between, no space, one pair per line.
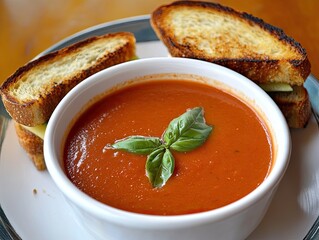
(234,160)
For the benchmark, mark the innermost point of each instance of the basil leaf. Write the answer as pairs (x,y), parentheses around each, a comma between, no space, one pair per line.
(188,131)
(138,144)
(160,166)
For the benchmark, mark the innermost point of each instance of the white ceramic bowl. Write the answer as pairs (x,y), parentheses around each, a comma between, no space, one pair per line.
(234,221)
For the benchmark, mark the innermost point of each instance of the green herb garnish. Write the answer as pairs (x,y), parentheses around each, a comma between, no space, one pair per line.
(183,134)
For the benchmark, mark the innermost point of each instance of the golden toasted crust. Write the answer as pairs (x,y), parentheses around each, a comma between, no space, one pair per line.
(295,106)
(239,41)
(31,94)
(32,144)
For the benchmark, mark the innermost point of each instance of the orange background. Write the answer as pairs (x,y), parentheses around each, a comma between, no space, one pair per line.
(28,27)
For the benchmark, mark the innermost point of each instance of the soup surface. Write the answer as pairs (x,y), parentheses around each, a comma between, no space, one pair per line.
(233,161)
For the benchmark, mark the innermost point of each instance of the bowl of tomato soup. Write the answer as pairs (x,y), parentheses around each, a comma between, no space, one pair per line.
(167,148)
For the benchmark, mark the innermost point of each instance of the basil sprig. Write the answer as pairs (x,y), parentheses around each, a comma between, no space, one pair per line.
(183,134)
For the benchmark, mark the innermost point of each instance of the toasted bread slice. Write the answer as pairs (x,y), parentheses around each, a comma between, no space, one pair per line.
(295,106)
(31,94)
(239,41)
(32,144)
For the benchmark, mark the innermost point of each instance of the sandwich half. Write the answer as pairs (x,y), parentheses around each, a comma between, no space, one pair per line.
(244,43)
(32,93)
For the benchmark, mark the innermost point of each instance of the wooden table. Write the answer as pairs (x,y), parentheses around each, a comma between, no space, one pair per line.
(28,27)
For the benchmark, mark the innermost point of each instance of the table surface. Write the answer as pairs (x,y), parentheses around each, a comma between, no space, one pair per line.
(28,27)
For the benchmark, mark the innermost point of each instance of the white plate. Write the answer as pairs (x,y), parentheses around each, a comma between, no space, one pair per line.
(37,210)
